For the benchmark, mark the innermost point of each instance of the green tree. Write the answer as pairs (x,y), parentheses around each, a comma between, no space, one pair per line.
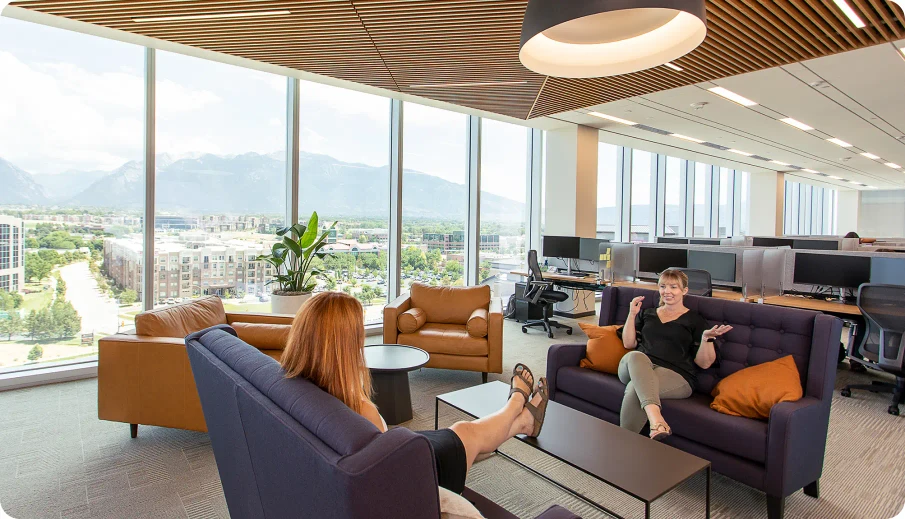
(366,295)
(128,297)
(36,268)
(39,324)
(32,243)
(10,300)
(61,286)
(61,240)
(347,289)
(66,321)
(36,353)
(11,325)
(331,283)
(453,269)
(50,256)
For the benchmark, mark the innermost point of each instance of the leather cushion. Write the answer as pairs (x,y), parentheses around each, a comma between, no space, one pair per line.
(751,392)
(410,320)
(449,305)
(477,323)
(605,348)
(263,336)
(451,339)
(182,319)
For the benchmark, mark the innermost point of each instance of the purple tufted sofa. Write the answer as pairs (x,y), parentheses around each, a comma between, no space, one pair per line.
(778,456)
(286,448)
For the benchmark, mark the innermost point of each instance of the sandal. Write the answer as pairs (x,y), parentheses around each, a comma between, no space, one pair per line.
(659,432)
(522,372)
(540,411)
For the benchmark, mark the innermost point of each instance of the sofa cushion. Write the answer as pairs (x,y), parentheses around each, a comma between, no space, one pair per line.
(477,323)
(692,418)
(753,391)
(451,339)
(598,388)
(410,320)
(605,348)
(449,305)
(182,319)
(263,336)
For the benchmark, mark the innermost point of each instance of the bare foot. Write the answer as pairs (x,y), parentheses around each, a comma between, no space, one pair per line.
(524,423)
(524,386)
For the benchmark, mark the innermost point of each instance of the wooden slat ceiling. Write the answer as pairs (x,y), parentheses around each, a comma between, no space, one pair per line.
(403,45)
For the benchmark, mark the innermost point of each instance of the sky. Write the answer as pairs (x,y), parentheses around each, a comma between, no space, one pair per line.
(70,101)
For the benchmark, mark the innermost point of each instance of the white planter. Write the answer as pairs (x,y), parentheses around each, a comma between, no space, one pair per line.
(287,304)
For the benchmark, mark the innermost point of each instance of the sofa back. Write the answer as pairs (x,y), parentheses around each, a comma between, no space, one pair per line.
(760,333)
(286,448)
(182,319)
(449,305)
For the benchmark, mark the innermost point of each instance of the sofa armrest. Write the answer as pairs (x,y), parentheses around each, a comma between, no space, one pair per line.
(796,443)
(495,336)
(391,315)
(259,318)
(824,356)
(562,355)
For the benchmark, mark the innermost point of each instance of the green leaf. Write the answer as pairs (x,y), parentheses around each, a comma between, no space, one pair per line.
(311,233)
(292,245)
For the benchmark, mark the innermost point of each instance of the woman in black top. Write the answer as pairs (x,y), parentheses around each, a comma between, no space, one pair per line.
(670,343)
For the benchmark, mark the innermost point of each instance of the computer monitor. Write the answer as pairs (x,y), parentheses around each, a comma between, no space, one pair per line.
(831,270)
(658,259)
(561,246)
(664,239)
(887,271)
(772,242)
(704,241)
(721,265)
(815,244)
(589,249)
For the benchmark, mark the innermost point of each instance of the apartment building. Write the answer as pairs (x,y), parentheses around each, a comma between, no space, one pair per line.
(12,255)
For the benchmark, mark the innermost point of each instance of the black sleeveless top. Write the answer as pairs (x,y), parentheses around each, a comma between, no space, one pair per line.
(674,344)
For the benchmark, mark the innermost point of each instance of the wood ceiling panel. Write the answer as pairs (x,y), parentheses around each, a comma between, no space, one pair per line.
(448,50)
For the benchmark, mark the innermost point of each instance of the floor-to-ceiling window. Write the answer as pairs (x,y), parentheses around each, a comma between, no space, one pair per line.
(641,195)
(674,211)
(702,206)
(726,202)
(745,209)
(344,175)
(608,210)
(71,192)
(220,183)
(809,210)
(504,217)
(434,194)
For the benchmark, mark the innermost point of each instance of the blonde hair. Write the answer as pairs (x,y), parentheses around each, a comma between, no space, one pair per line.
(326,346)
(674,275)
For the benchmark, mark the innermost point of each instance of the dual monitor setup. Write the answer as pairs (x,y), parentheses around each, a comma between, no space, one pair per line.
(845,271)
(570,248)
(721,265)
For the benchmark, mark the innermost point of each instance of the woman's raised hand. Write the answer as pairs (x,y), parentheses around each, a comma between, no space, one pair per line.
(716,331)
(635,306)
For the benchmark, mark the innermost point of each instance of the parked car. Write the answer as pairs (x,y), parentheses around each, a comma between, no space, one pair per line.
(171,301)
(263,298)
(179,300)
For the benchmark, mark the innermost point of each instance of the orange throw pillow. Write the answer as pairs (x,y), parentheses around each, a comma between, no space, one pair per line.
(751,392)
(605,348)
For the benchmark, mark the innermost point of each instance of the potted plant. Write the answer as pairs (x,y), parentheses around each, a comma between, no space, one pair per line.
(291,259)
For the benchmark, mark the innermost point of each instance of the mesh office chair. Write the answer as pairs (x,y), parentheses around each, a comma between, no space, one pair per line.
(883,346)
(538,292)
(699,282)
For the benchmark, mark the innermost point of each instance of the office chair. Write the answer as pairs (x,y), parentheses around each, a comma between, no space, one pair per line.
(883,346)
(537,292)
(699,282)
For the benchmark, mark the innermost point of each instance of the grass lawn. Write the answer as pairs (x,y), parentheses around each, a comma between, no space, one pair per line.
(38,300)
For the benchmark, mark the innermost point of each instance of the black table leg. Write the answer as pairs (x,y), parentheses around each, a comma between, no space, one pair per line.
(646,510)
(436,413)
(709,471)
(393,397)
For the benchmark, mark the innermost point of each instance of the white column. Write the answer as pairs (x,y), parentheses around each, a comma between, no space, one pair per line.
(851,216)
(148,266)
(571,184)
(766,198)
(473,233)
(394,250)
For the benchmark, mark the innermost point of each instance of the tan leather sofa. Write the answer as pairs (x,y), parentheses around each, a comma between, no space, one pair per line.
(145,378)
(460,327)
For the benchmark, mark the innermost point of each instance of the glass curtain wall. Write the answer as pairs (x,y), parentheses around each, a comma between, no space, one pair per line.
(675,187)
(71,192)
(344,175)
(726,202)
(641,195)
(809,210)
(608,210)
(701,200)
(744,211)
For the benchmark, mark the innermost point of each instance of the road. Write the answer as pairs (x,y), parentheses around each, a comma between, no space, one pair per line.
(98,312)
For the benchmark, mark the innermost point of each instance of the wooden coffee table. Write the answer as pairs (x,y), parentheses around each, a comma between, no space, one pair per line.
(389,365)
(643,468)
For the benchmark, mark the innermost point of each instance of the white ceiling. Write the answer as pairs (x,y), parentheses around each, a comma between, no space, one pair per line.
(860,101)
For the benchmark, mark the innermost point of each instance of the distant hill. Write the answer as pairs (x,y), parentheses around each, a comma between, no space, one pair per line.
(254,183)
(18,187)
(61,187)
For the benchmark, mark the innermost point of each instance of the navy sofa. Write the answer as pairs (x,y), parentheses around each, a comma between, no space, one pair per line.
(778,456)
(286,448)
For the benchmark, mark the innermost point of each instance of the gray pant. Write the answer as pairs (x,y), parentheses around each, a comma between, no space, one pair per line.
(646,384)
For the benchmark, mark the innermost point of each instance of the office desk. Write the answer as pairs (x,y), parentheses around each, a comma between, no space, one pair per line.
(820,305)
(582,304)
(579,283)
(727,295)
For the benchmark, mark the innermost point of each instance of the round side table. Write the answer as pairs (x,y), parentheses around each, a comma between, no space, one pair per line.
(390,365)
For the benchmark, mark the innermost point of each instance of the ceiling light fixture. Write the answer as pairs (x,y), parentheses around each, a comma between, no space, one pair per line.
(871,156)
(732,96)
(893,165)
(612,118)
(780,163)
(839,142)
(835,178)
(674,66)
(685,138)
(210,16)
(798,124)
(745,153)
(850,13)
(484,84)
(871,187)
(596,38)
(812,171)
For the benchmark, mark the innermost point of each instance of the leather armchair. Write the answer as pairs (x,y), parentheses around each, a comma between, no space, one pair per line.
(445,333)
(145,377)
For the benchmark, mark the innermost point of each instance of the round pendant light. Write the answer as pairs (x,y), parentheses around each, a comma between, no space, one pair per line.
(596,38)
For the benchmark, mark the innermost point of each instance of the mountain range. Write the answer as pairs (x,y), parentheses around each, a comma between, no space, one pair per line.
(250,183)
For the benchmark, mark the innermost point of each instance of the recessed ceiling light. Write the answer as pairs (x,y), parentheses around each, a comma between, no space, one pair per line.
(871,187)
(893,165)
(839,142)
(871,156)
(674,66)
(835,177)
(798,124)
(488,83)
(732,96)
(780,163)
(850,13)
(685,138)
(745,153)
(812,171)
(210,16)
(612,118)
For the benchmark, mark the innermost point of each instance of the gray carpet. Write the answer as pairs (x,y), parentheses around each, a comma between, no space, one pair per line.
(57,460)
